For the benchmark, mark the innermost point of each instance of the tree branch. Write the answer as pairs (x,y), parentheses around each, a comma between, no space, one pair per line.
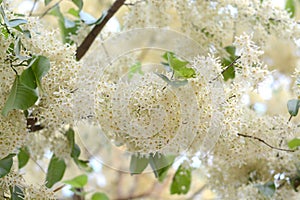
(261,140)
(85,45)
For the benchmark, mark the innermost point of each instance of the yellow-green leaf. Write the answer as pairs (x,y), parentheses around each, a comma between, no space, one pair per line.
(181,181)
(294,143)
(99,196)
(78,181)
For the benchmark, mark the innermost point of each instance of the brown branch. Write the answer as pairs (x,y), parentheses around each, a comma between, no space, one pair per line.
(261,140)
(85,45)
(59,188)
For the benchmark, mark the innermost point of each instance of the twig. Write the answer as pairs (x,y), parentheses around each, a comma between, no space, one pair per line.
(227,67)
(261,140)
(290,118)
(32,8)
(45,13)
(133,4)
(85,45)
(59,188)
(199,191)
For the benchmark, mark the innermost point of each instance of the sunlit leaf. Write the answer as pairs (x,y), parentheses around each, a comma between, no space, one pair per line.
(55,172)
(6,164)
(136,68)
(294,143)
(21,97)
(181,181)
(74,12)
(290,7)
(78,181)
(99,196)
(179,66)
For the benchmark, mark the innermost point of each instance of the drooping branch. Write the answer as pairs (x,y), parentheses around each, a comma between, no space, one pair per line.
(261,140)
(87,42)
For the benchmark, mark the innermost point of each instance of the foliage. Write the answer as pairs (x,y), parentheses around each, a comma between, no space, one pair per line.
(191,105)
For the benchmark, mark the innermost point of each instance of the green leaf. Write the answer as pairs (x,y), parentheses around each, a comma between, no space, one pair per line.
(267,189)
(290,7)
(99,196)
(16,193)
(181,181)
(55,172)
(40,67)
(75,150)
(65,32)
(84,164)
(230,50)
(158,162)
(295,182)
(21,97)
(175,83)
(74,12)
(15,22)
(138,164)
(136,68)
(294,143)
(1,1)
(293,106)
(28,78)
(179,67)
(229,73)
(47,2)
(6,164)
(78,3)
(162,173)
(23,157)
(78,181)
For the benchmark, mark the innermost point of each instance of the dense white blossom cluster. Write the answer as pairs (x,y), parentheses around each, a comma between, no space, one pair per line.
(52,111)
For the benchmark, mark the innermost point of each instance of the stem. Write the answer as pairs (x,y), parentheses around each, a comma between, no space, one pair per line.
(290,118)
(227,67)
(85,45)
(261,140)
(59,188)
(45,13)
(32,8)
